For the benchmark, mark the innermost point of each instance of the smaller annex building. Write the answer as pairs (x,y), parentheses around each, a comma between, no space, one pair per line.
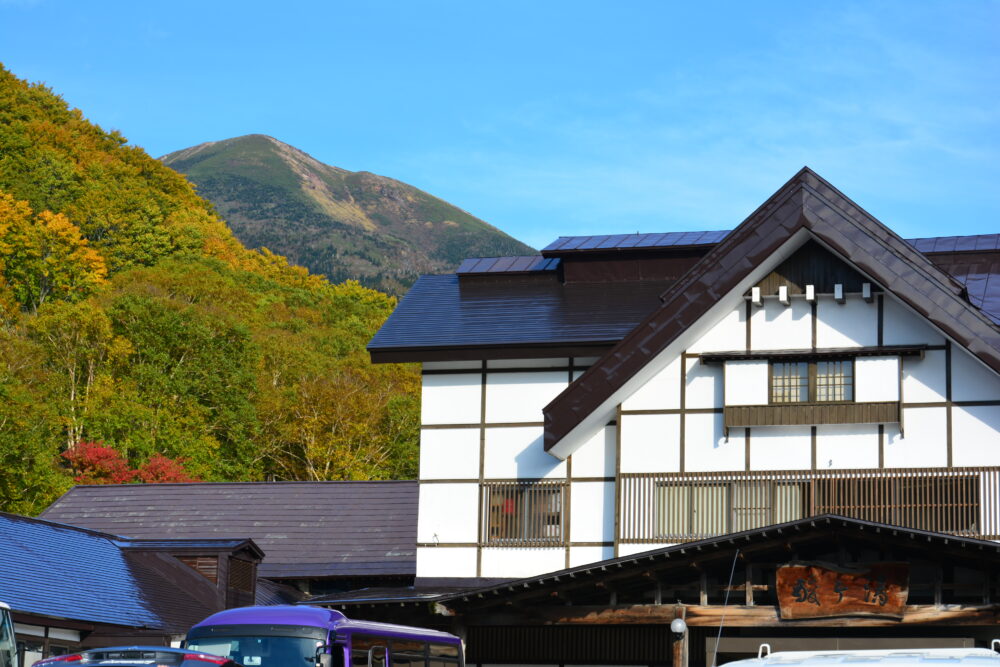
(71,588)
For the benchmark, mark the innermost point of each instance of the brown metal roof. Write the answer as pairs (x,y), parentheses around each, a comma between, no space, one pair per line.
(805,202)
(306,529)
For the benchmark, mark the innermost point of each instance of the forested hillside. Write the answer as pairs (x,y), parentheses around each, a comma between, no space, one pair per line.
(339,223)
(132,318)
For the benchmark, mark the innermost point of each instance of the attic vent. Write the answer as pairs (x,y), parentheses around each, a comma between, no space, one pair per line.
(206,566)
(241,575)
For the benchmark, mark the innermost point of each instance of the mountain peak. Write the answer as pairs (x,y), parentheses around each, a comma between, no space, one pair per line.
(372,228)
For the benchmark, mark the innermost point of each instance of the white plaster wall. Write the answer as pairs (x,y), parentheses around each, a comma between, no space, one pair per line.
(451,399)
(451,365)
(901,326)
(451,453)
(448,513)
(525,562)
(778,447)
(446,562)
(663,391)
(557,362)
(632,549)
(924,379)
(518,452)
(586,555)
(876,379)
(970,379)
(706,448)
(650,443)
(976,435)
(925,443)
(774,326)
(746,382)
(727,335)
(520,397)
(704,385)
(596,457)
(853,323)
(592,511)
(846,446)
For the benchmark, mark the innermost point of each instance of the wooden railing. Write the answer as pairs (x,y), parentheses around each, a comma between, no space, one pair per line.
(659,508)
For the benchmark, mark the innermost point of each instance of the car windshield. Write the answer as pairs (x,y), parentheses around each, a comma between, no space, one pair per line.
(261,651)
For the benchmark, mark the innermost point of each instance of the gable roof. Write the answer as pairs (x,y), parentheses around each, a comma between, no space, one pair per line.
(806,202)
(306,529)
(59,571)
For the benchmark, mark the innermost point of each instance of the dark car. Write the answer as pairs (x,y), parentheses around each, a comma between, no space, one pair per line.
(136,656)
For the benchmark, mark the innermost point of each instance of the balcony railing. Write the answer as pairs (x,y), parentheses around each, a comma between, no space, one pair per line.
(661,508)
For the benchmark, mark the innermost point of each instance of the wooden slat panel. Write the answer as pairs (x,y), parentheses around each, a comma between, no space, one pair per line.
(811,414)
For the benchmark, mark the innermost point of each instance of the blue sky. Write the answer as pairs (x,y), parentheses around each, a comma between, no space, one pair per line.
(561,118)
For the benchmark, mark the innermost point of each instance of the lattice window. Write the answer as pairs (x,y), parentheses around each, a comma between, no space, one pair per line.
(835,380)
(824,381)
(523,513)
(789,382)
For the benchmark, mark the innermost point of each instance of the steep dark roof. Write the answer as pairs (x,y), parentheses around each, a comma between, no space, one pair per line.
(306,529)
(806,202)
(48,569)
(442,312)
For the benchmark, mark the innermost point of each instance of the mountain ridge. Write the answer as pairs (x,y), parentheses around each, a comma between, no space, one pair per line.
(344,224)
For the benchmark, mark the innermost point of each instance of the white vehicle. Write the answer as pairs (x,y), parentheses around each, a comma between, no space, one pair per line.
(8,648)
(921,657)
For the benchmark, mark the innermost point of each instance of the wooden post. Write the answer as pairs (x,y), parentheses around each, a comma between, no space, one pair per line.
(680,644)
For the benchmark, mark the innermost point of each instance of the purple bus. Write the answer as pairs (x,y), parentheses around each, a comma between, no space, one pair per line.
(290,636)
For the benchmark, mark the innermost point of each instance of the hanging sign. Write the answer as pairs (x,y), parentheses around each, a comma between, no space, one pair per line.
(821,590)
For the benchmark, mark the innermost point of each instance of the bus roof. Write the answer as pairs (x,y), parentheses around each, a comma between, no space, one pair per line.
(319,617)
(893,657)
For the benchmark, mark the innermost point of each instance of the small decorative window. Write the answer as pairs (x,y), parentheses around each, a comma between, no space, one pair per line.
(826,381)
(523,513)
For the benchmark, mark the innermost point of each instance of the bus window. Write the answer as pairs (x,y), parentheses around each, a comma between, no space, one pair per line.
(407,653)
(368,651)
(443,655)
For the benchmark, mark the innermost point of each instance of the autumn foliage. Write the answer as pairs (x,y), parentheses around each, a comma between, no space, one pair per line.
(141,342)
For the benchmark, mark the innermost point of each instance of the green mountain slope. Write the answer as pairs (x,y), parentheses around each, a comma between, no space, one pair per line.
(342,224)
(131,316)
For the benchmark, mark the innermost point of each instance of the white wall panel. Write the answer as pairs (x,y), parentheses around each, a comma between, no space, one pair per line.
(846,446)
(925,443)
(596,457)
(661,392)
(557,362)
(853,323)
(519,452)
(586,555)
(976,435)
(650,443)
(970,379)
(632,549)
(924,379)
(778,447)
(449,453)
(523,562)
(451,399)
(704,385)
(729,334)
(876,379)
(706,448)
(592,507)
(746,382)
(777,327)
(448,513)
(901,326)
(520,397)
(451,365)
(446,562)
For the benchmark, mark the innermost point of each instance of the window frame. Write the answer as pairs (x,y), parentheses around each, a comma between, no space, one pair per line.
(523,523)
(812,374)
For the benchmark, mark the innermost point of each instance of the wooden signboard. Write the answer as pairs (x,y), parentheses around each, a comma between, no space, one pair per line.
(821,590)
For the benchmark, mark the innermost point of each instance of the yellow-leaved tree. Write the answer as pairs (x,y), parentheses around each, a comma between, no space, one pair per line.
(45,256)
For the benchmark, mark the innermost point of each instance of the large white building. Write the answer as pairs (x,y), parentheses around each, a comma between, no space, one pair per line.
(623,393)
(786,433)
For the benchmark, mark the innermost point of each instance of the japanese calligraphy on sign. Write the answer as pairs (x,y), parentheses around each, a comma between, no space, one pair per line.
(820,590)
